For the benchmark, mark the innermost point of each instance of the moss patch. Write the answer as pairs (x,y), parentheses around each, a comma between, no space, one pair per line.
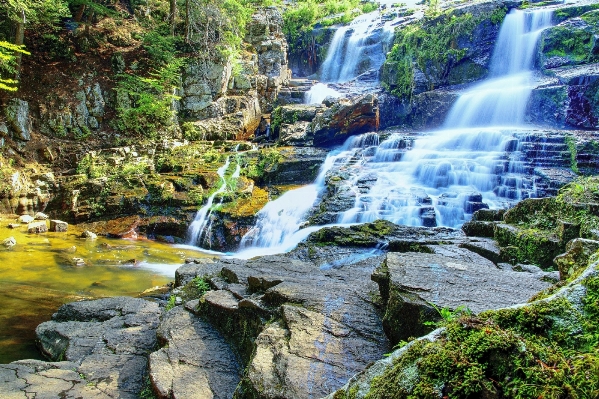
(543,350)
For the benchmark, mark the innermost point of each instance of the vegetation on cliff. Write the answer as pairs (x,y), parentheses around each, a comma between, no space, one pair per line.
(433,46)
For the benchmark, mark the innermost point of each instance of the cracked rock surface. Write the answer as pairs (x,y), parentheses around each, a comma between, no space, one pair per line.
(105,343)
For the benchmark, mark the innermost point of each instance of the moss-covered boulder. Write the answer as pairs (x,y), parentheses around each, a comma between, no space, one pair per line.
(415,286)
(539,349)
(571,42)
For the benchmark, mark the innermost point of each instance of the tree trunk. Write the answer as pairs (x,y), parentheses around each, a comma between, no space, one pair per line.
(19,40)
(187,26)
(173,16)
(79,14)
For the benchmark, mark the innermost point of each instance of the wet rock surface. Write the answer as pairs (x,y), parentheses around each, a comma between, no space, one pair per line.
(323,315)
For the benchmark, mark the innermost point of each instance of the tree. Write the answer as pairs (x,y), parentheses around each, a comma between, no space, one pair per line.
(24,13)
(8,57)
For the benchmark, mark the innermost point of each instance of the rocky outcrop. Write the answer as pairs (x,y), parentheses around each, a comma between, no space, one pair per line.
(309,349)
(78,117)
(407,369)
(462,39)
(228,103)
(195,360)
(17,116)
(100,348)
(326,126)
(450,278)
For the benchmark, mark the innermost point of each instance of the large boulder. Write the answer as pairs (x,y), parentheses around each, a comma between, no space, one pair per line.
(99,349)
(495,346)
(17,116)
(346,118)
(416,286)
(308,349)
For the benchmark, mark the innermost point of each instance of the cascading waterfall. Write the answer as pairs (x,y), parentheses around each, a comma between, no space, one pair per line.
(501,100)
(279,222)
(446,175)
(358,46)
(197,229)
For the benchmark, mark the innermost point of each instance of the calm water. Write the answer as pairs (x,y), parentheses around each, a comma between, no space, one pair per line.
(40,273)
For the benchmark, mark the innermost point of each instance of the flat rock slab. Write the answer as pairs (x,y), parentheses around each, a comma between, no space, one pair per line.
(119,325)
(26,379)
(196,361)
(410,282)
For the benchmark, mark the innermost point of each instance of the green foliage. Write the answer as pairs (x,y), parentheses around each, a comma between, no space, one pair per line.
(170,302)
(571,143)
(301,15)
(545,350)
(37,12)
(160,47)
(432,46)
(201,285)
(8,56)
(151,111)
(146,391)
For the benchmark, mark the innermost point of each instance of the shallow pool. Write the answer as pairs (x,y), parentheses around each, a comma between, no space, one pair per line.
(46,270)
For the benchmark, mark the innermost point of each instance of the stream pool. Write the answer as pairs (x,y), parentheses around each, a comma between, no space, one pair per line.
(46,270)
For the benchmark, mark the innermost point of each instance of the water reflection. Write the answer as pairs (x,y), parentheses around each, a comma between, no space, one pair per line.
(43,271)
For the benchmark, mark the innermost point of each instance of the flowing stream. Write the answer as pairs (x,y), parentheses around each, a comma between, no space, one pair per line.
(438,179)
(197,229)
(358,47)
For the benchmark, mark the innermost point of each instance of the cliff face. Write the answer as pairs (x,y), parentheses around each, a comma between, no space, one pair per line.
(56,118)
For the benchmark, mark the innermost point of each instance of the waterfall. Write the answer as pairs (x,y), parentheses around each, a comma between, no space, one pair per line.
(197,229)
(278,226)
(440,178)
(502,99)
(319,92)
(355,48)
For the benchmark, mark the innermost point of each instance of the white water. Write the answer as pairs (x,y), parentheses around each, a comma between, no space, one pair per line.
(446,174)
(319,92)
(197,229)
(502,99)
(365,40)
(278,227)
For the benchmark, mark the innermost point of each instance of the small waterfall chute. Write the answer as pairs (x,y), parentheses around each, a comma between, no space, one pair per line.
(198,227)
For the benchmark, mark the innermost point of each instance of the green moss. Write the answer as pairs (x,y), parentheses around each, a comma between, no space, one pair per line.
(571,12)
(432,47)
(571,143)
(545,350)
(567,42)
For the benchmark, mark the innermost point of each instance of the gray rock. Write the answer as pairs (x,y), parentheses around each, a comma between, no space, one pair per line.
(576,257)
(486,248)
(410,282)
(195,361)
(26,219)
(17,115)
(40,216)
(37,227)
(89,235)
(106,342)
(58,226)
(9,242)
(119,325)
(332,314)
